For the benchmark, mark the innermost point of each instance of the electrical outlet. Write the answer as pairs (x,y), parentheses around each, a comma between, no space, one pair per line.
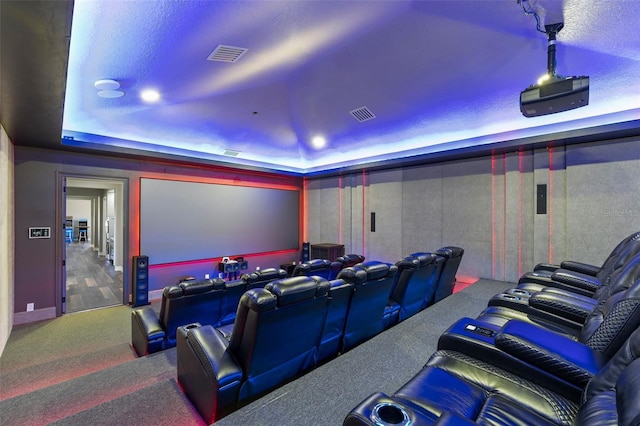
(30,307)
(206,276)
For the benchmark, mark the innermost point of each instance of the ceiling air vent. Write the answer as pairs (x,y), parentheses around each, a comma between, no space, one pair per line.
(362,114)
(231,153)
(224,53)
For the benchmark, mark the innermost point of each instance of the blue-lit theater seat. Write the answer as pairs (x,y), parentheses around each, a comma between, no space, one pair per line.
(340,294)
(456,389)
(275,338)
(372,282)
(189,301)
(447,280)
(579,277)
(415,282)
(235,289)
(556,308)
(319,267)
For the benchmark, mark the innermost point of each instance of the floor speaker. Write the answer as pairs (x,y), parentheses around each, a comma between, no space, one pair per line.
(140,280)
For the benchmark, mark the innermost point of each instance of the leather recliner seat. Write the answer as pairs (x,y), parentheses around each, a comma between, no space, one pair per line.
(275,338)
(415,282)
(190,301)
(319,267)
(235,289)
(457,389)
(372,282)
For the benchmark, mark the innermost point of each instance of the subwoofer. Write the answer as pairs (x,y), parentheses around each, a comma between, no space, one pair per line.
(140,280)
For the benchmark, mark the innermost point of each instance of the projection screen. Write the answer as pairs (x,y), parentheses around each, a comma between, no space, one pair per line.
(182,221)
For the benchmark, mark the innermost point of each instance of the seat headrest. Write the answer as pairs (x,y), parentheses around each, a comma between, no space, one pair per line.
(450,251)
(353,274)
(294,289)
(172,292)
(318,263)
(376,270)
(425,259)
(201,286)
(351,259)
(267,274)
(408,263)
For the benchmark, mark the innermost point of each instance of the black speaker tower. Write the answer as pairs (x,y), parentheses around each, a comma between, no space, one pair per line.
(306,251)
(140,280)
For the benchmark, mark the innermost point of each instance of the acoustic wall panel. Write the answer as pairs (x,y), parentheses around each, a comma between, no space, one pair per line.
(183,221)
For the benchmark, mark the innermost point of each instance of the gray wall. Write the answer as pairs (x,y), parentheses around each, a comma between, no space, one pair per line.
(487,206)
(37,194)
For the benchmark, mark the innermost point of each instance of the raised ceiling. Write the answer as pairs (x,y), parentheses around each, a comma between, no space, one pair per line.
(377,80)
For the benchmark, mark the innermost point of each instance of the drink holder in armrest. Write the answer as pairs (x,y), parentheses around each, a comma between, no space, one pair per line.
(514,299)
(554,353)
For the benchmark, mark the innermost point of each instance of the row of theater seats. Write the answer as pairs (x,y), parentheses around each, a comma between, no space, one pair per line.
(293,324)
(208,301)
(422,279)
(563,349)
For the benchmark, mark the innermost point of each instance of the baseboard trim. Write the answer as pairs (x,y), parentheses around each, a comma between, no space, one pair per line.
(33,316)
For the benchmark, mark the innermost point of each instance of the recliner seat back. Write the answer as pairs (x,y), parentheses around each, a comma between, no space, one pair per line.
(446,282)
(235,289)
(373,281)
(414,284)
(277,331)
(318,267)
(191,301)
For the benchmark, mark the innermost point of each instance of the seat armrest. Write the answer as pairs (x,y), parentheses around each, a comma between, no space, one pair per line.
(561,305)
(549,351)
(207,371)
(550,267)
(583,268)
(147,333)
(576,279)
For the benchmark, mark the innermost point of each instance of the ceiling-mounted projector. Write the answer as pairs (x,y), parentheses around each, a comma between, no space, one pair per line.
(556,93)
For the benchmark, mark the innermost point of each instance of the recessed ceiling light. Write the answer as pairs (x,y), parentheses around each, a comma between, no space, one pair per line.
(318,142)
(111,94)
(106,84)
(150,95)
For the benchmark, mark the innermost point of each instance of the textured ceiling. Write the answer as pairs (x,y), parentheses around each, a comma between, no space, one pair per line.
(438,76)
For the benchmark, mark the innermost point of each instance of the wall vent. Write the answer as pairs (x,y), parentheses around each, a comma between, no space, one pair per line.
(224,53)
(231,153)
(362,114)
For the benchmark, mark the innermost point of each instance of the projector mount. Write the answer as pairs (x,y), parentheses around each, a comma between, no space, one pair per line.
(552,30)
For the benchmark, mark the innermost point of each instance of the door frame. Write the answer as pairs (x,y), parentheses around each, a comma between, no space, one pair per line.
(121,185)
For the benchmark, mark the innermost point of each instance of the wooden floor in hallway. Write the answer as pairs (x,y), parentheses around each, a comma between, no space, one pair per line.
(92,281)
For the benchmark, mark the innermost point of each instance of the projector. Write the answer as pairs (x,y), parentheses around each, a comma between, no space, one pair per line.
(555,95)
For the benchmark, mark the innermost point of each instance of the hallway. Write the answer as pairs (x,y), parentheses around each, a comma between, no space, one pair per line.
(92,281)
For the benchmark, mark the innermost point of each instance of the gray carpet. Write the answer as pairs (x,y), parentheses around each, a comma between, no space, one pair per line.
(143,391)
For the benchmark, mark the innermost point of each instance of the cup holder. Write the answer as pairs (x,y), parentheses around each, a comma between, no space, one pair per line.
(509,297)
(520,292)
(389,414)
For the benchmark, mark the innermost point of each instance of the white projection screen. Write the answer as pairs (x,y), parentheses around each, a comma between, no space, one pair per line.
(182,221)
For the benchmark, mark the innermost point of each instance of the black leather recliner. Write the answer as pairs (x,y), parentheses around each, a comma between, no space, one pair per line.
(415,282)
(275,338)
(319,267)
(559,309)
(457,389)
(235,289)
(577,281)
(447,280)
(190,301)
(372,281)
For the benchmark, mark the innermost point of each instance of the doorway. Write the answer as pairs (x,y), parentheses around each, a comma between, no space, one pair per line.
(93,264)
